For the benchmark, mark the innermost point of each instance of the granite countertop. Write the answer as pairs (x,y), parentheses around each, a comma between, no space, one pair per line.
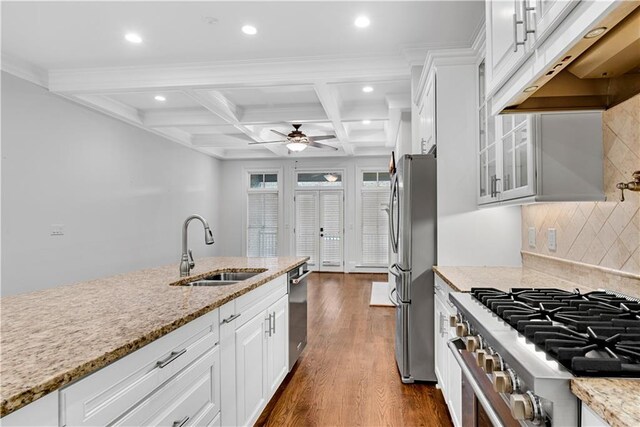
(462,279)
(55,336)
(615,400)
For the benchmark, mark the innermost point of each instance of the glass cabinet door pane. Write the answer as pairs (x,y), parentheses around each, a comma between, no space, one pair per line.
(519,119)
(507,163)
(507,124)
(483,174)
(483,128)
(521,157)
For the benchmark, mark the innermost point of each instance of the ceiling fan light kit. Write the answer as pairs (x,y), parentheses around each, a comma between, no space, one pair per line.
(296,146)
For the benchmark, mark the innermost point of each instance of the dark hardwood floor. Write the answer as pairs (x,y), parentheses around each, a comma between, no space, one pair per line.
(347,375)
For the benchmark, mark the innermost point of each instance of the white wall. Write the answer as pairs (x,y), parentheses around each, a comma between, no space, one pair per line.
(122,193)
(234,196)
(466,235)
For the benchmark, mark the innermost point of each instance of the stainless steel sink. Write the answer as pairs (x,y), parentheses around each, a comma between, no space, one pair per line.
(225,278)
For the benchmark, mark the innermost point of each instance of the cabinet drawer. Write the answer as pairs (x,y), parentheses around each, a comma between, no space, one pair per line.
(190,398)
(105,395)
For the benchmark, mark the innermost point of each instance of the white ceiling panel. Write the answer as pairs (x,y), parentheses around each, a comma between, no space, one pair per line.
(147,101)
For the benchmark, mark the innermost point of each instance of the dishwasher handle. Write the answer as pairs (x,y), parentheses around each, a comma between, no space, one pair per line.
(297,280)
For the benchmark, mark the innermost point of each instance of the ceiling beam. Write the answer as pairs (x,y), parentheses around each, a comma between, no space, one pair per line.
(296,113)
(181,117)
(329,100)
(229,74)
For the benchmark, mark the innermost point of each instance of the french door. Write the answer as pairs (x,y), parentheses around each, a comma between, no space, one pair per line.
(319,228)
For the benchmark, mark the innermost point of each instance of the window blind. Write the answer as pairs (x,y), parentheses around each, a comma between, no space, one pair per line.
(262,225)
(374,228)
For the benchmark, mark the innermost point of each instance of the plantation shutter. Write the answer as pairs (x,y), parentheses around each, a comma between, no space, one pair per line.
(331,223)
(307,225)
(375,228)
(262,227)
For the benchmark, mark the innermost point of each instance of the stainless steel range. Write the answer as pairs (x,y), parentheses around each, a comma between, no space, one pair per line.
(518,350)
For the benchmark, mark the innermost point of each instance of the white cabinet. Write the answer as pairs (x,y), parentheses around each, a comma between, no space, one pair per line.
(590,418)
(447,369)
(254,338)
(545,15)
(504,38)
(427,115)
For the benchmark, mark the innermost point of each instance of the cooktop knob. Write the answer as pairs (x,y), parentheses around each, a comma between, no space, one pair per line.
(462,329)
(502,382)
(473,343)
(526,407)
(480,355)
(454,319)
(492,363)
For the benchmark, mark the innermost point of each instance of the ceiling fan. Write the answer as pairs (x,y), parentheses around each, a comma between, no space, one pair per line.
(298,141)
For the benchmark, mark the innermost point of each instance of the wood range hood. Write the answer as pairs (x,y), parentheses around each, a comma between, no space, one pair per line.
(597,73)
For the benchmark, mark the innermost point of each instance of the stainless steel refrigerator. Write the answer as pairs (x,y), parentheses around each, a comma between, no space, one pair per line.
(413,217)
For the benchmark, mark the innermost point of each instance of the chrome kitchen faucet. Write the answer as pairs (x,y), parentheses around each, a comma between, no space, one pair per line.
(187,263)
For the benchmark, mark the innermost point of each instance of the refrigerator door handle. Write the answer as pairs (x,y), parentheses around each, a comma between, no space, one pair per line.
(392,225)
(393,300)
(393,269)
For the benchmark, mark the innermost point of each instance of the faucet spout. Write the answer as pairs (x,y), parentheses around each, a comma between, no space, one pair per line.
(186,261)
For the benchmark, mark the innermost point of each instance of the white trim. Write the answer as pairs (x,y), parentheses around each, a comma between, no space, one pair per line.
(25,70)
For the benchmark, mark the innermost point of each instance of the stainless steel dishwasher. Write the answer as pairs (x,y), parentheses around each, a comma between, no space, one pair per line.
(297,279)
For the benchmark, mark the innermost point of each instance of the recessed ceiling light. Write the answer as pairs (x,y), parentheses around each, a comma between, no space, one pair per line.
(366,122)
(595,32)
(362,22)
(160,98)
(531,89)
(133,38)
(250,30)
(367,89)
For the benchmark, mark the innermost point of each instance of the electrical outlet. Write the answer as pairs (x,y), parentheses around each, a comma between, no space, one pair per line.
(532,237)
(57,229)
(552,243)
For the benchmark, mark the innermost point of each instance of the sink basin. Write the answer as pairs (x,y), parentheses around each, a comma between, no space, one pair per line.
(225,278)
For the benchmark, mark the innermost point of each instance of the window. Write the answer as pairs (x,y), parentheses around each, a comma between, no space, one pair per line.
(262,215)
(319,179)
(374,220)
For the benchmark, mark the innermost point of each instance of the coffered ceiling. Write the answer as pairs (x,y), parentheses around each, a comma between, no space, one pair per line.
(198,80)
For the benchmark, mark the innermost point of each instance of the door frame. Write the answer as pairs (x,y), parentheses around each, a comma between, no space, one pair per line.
(319,189)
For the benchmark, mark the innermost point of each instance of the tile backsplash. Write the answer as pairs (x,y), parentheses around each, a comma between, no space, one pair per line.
(605,234)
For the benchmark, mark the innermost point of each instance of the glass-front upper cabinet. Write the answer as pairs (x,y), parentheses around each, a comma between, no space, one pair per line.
(505,152)
(487,154)
(516,145)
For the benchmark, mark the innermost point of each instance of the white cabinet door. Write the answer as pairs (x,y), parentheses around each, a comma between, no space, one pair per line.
(278,344)
(441,350)
(504,32)
(251,358)
(428,116)
(517,156)
(454,382)
(545,15)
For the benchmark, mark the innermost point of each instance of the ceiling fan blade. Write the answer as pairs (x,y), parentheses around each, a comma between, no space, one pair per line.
(318,145)
(279,133)
(321,137)
(265,142)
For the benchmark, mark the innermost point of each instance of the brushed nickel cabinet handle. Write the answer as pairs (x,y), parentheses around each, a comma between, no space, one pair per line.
(273,324)
(231,318)
(173,356)
(516,43)
(181,422)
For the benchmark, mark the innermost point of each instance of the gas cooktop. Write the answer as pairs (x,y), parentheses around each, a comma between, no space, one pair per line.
(591,334)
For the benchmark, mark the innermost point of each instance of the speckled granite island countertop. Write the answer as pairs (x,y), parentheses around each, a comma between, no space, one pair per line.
(52,337)
(615,400)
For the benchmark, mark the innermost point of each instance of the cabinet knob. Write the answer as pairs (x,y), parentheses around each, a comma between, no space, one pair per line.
(453,320)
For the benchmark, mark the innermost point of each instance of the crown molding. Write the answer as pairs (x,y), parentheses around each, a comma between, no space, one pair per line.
(303,70)
(25,70)
(416,54)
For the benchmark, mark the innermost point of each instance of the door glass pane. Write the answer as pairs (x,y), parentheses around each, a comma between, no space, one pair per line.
(507,163)
(521,155)
(384,179)
(483,128)
(321,179)
(483,174)
(369,179)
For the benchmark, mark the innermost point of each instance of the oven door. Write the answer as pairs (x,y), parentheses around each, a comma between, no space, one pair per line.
(481,405)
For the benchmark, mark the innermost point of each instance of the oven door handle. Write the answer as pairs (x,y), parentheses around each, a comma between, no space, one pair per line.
(458,344)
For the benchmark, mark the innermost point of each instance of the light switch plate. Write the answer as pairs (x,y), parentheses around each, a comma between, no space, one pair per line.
(532,237)
(552,244)
(57,229)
